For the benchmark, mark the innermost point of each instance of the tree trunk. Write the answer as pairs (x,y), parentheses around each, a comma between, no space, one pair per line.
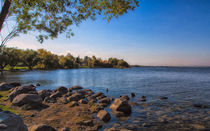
(4,12)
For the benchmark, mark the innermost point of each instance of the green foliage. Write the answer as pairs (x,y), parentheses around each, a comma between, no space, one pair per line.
(13,58)
(51,17)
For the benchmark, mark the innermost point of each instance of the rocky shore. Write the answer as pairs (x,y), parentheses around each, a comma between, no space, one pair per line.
(24,108)
(61,109)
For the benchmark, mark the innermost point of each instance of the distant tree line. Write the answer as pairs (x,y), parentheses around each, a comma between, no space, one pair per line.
(43,59)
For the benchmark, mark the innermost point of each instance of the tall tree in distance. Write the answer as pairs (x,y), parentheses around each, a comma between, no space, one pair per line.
(53,17)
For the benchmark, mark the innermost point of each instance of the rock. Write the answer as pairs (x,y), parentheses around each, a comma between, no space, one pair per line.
(21,90)
(76,88)
(76,97)
(105,100)
(143,98)
(28,99)
(121,105)
(97,94)
(64,129)
(111,129)
(73,104)
(62,90)
(198,126)
(126,97)
(83,92)
(5,87)
(42,127)
(101,97)
(86,123)
(44,93)
(133,94)
(163,98)
(202,106)
(89,93)
(55,95)
(11,122)
(104,115)
(15,84)
(96,108)
(38,84)
(83,101)
(107,89)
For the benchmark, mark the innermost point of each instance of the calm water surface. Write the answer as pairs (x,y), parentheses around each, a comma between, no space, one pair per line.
(177,83)
(183,87)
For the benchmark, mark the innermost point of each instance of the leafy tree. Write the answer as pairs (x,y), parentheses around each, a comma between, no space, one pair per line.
(30,58)
(51,18)
(3,60)
(14,57)
(122,64)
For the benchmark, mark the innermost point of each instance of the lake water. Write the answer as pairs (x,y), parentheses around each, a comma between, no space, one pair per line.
(180,84)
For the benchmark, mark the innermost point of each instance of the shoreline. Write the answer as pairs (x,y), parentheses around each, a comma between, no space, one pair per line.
(71,110)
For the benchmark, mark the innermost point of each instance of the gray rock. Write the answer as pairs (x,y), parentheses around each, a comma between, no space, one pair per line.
(27,99)
(42,127)
(62,90)
(22,90)
(83,101)
(121,105)
(11,122)
(104,115)
(76,97)
(97,94)
(126,97)
(15,84)
(105,100)
(5,87)
(76,88)
(133,94)
(44,93)
(55,95)
(64,129)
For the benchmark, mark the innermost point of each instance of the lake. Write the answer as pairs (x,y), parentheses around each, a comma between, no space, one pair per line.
(183,86)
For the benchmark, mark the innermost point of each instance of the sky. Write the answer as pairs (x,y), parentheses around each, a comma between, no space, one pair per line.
(158,33)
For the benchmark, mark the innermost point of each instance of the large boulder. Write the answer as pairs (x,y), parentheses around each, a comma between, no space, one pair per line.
(105,100)
(104,115)
(121,106)
(76,97)
(15,84)
(62,90)
(27,99)
(75,88)
(44,93)
(5,87)
(55,95)
(11,122)
(30,89)
(42,127)
(97,94)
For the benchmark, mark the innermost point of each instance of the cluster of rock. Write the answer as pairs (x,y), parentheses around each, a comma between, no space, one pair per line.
(28,98)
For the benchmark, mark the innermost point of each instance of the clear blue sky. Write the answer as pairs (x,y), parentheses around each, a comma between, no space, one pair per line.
(159,32)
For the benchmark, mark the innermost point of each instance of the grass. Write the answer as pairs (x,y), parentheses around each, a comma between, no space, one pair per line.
(16,68)
(3,106)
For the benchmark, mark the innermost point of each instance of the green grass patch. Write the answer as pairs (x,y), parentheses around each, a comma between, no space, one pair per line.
(3,97)
(4,94)
(16,68)
(6,108)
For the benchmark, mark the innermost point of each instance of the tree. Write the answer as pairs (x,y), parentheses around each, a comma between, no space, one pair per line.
(3,60)
(51,18)
(122,64)
(30,58)
(13,57)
